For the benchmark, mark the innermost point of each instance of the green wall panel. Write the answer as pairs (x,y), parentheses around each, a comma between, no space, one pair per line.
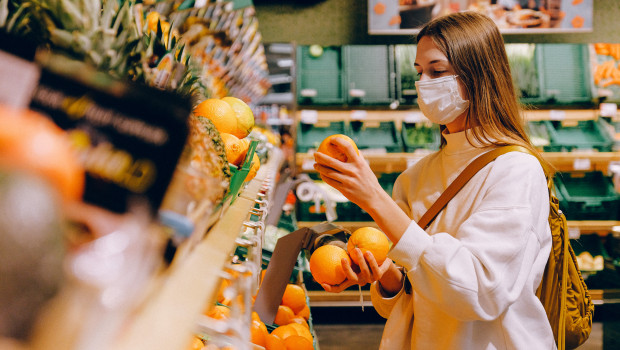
(342,22)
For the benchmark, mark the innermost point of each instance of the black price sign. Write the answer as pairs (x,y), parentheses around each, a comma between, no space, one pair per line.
(129,137)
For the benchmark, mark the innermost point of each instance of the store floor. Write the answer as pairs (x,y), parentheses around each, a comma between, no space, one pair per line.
(368,336)
(350,328)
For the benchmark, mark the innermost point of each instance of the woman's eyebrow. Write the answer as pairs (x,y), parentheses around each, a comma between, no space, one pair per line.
(432,62)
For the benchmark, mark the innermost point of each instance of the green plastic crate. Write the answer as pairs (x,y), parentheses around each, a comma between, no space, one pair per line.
(406,74)
(369,70)
(376,135)
(309,136)
(320,78)
(565,73)
(586,135)
(420,136)
(587,196)
(557,74)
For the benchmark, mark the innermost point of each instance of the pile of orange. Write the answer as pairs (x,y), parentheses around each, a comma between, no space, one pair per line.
(234,120)
(326,261)
(292,331)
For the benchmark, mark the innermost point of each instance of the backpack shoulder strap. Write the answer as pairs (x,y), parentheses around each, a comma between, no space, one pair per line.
(462,179)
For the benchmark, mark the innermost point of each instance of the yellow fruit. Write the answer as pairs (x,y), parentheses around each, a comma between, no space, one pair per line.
(274,343)
(297,342)
(369,239)
(284,331)
(235,149)
(294,297)
(258,333)
(334,151)
(196,344)
(31,142)
(302,331)
(326,266)
(245,117)
(253,168)
(305,313)
(300,320)
(218,312)
(283,315)
(220,113)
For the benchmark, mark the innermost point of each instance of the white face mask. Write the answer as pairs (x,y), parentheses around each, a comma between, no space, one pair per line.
(439,99)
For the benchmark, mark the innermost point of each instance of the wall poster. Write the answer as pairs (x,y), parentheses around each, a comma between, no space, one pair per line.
(512,16)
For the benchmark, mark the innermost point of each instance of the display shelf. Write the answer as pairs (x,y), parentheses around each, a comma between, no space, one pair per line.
(400,115)
(600,227)
(398,162)
(168,317)
(352,298)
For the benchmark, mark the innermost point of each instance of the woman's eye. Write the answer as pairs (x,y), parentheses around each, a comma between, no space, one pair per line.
(438,73)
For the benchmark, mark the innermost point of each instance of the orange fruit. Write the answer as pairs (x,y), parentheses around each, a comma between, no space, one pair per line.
(300,320)
(258,332)
(297,342)
(283,315)
(254,168)
(33,143)
(369,239)
(235,148)
(294,297)
(284,331)
(220,113)
(334,151)
(244,115)
(304,313)
(301,330)
(196,344)
(218,312)
(326,266)
(273,342)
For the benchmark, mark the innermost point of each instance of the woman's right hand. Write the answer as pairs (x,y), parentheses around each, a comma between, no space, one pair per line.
(366,270)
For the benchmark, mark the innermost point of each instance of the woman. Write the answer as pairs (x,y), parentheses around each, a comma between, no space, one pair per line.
(473,273)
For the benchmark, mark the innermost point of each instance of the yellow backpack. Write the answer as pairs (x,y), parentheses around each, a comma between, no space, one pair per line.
(568,305)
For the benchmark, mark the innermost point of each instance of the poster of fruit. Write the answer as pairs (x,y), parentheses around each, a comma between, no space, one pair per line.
(392,17)
(605,64)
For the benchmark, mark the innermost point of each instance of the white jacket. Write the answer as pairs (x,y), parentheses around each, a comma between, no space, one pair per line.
(475,270)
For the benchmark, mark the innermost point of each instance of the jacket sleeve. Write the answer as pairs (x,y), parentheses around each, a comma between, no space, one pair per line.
(476,272)
(382,304)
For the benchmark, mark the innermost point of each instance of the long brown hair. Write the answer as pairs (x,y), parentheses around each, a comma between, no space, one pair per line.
(475,48)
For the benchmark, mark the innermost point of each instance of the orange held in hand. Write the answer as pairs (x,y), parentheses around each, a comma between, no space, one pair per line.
(326,266)
(329,148)
(369,239)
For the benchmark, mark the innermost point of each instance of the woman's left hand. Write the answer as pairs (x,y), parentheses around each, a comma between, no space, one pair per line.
(366,270)
(354,178)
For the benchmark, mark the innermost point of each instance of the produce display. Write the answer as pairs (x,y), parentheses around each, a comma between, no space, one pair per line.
(606,70)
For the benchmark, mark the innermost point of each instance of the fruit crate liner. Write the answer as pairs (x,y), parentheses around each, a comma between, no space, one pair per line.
(282,262)
(587,196)
(239,174)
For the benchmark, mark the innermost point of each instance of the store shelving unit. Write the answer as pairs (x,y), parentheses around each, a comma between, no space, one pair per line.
(382,162)
(169,317)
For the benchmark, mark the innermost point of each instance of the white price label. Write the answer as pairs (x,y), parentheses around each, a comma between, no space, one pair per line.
(414,117)
(582,164)
(555,114)
(308,164)
(309,116)
(608,109)
(358,115)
